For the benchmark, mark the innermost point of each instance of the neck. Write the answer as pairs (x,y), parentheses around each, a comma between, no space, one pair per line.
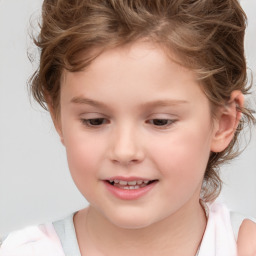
(179,234)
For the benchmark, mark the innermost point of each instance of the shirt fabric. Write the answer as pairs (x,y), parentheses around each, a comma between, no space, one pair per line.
(59,238)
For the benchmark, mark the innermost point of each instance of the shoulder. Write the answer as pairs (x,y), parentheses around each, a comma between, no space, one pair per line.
(32,241)
(244,229)
(230,231)
(246,242)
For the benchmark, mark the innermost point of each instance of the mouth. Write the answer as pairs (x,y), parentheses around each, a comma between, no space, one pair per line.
(130,185)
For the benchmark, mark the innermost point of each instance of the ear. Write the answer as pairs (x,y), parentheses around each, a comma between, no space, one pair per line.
(55,118)
(227,121)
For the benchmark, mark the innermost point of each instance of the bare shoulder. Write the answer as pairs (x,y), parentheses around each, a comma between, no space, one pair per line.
(246,242)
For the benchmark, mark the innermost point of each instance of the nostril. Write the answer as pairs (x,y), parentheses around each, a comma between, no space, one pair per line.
(126,152)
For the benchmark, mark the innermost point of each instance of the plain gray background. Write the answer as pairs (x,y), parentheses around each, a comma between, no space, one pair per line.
(35,184)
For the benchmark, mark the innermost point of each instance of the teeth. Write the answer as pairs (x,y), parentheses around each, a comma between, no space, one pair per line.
(130,183)
(134,184)
(131,187)
(123,183)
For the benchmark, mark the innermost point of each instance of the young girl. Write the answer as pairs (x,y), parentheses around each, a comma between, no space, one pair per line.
(147,98)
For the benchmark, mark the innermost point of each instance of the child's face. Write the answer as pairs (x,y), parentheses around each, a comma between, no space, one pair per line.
(150,121)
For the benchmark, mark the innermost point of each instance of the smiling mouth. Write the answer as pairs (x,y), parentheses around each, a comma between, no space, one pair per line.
(135,184)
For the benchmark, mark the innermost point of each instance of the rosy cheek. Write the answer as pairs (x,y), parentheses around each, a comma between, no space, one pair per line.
(181,153)
(83,154)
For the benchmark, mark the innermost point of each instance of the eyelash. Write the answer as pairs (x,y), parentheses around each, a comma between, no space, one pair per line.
(167,122)
(87,123)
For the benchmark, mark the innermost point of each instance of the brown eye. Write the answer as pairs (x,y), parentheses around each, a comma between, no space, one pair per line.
(94,121)
(161,122)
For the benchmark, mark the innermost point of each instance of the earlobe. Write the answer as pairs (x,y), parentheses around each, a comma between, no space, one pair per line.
(227,122)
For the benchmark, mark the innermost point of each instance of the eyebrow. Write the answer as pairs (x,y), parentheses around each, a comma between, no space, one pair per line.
(86,101)
(164,103)
(157,103)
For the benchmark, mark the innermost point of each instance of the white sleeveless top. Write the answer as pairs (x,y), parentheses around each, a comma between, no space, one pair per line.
(59,238)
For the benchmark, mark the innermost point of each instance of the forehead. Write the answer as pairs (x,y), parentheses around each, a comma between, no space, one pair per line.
(144,55)
(139,71)
(142,51)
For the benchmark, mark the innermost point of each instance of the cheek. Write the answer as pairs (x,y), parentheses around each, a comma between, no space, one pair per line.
(184,154)
(84,163)
(84,154)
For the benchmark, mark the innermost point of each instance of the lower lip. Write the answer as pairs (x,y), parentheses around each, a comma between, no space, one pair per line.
(129,194)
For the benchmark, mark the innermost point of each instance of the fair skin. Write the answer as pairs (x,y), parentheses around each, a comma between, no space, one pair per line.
(246,241)
(134,115)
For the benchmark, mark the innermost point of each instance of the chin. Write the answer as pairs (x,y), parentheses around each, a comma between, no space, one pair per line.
(131,223)
(132,220)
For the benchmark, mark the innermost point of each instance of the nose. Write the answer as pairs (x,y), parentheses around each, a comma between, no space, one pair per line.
(126,146)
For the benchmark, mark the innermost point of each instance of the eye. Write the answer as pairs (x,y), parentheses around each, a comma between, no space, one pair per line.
(162,122)
(94,122)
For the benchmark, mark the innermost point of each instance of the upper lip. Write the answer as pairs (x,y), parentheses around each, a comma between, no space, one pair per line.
(131,178)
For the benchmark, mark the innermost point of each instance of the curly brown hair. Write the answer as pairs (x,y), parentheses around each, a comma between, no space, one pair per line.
(207,35)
